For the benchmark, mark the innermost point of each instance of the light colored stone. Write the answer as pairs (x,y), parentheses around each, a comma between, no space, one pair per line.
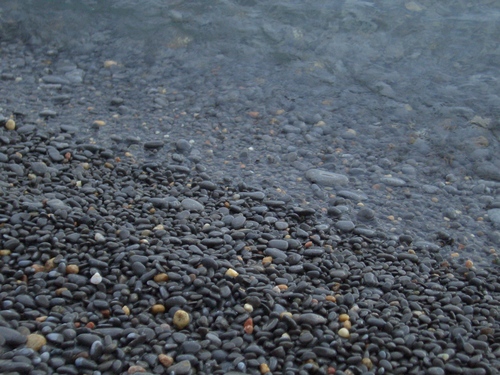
(35,341)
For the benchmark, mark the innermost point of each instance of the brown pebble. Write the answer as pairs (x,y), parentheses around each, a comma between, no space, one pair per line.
(161,277)
(343,317)
(165,360)
(38,268)
(157,309)
(72,269)
(60,291)
(50,264)
(367,362)
(35,341)
(181,319)
(267,260)
(331,299)
(136,368)
(5,252)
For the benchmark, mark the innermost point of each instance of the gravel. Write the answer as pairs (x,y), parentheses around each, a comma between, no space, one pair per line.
(293,233)
(100,253)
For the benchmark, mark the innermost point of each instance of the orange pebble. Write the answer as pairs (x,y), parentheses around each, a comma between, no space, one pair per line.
(264,368)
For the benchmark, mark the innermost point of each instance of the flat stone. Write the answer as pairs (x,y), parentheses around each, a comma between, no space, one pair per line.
(191,205)
(311,319)
(393,181)
(181,368)
(278,244)
(17,367)
(326,178)
(12,337)
(87,339)
(275,253)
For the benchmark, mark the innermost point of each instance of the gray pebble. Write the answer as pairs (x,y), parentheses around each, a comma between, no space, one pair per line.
(181,368)
(344,226)
(393,181)
(12,337)
(326,178)
(191,205)
(311,319)
(275,253)
(278,244)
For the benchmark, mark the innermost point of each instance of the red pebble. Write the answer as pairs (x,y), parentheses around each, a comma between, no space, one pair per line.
(248,326)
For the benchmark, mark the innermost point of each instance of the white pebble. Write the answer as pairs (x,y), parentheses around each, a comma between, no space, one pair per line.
(96,279)
(99,238)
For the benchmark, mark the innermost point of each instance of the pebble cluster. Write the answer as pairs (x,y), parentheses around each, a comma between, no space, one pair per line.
(111,266)
(196,205)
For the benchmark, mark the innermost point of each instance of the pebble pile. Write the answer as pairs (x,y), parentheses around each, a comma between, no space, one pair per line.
(110,266)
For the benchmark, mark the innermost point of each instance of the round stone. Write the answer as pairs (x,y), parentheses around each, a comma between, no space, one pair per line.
(181,319)
(344,332)
(35,341)
(157,309)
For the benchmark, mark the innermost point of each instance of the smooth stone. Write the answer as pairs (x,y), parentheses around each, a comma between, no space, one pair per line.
(357,197)
(393,181)
(370,279)
(12,337)
(138,268)
(175,301)
(435,371)
(275,253)
(15,367)
(191,205)
(494,215)
(313,252)
(345,226)
(190,347)
(278,244)
(209,262)
(311,319)
(238,222)
(17,169)
(35,341)
(340,273)
(153,144)
(56,338)
(87,339)
(39,168)
(326,178)
(181,368)
(57,204)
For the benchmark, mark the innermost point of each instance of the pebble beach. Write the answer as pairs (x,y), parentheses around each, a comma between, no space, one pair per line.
(159,215)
